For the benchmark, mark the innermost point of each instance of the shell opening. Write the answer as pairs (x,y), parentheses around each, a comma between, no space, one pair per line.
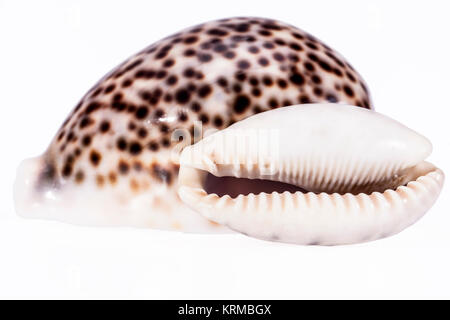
(235,186)
(325,175)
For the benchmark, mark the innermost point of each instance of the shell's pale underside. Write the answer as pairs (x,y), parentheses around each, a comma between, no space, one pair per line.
(341,173)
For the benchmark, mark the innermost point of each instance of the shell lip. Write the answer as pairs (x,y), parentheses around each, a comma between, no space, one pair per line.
(309,218)
(362,176)
(304,216)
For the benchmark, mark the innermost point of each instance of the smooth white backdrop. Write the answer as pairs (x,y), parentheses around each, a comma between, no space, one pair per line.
(52,52)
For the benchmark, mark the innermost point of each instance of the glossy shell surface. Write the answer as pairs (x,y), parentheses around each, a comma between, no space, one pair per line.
(114,160)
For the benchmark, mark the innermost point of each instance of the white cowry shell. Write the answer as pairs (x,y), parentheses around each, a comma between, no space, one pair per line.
(364,174)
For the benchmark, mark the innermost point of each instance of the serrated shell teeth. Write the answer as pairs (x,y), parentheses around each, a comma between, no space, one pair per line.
(364,175)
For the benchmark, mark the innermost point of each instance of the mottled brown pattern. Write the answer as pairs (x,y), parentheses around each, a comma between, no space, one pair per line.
(216,73)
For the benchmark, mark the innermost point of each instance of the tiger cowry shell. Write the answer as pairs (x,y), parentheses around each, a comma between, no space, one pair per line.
(367,170)
(110,163)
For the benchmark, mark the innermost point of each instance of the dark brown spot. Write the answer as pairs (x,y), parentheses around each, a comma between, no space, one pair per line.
(104,126)
(295,46)
(253,49)
(86,141)
(204,57)
(124,167)
(133,65)
(61,135)
(93,106)
(256,92)
(337,72)
(67,170)
(189,52)
(161,74)
(278,56)
(297,79)
(96,92)
(241,103)
(229,54)
(191,87)
(141,112)
(242,27)
(182,116)
(325,66)
(263,61)
(109,88)
(243,64)
(297,35)
(237,88)
(309,66)
(126,83)
(265,33)
(204,118)
(204,91)
(220,48)
(95,157)
(117,97)
(189,73)
(348,91)
(287,103)
(331,98)
(273,103)
(316,79)
(153,146)
(280,42)
(165,142)
(271,26)
(85,121)
(217,32)
(79,176)
(182,96)
(218,122)
(142,132)
(121,144)
(267,81)
(164,128)
(168,63)
(311,45)
(196,107)
(131,126)
(168,97)
(282,83)
(318,92)
(254,81)
(135,148)
(268,45)
(241,76)
(190,39)
(222,82)
(350,76)
(171,80)
(304,99)
(131,108)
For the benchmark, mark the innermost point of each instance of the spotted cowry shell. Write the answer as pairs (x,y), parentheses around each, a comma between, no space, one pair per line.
(113,161)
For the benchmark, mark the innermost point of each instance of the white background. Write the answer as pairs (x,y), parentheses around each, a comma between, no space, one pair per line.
(52,52)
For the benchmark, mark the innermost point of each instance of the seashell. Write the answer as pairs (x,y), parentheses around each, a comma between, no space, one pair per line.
(341,175)
(112,162)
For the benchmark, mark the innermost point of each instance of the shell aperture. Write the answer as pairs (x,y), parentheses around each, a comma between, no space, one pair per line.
(362,175)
